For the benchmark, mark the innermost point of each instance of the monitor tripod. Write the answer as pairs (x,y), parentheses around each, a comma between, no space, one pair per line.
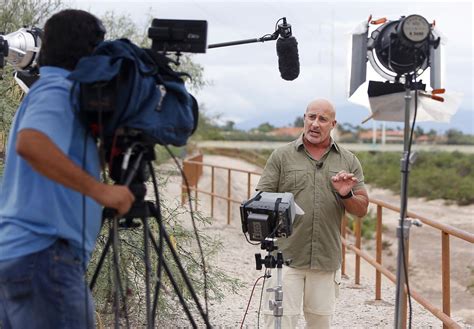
(144,211)
(271,262)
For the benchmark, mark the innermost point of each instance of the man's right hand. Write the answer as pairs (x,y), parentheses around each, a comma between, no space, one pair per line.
(116,197)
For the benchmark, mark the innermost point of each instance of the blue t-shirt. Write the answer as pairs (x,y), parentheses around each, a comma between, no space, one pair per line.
(34,210)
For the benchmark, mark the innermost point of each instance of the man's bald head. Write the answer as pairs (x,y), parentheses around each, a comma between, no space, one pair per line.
(322,104)
(319,120)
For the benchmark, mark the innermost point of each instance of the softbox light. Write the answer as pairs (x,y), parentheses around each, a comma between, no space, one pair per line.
(396,50)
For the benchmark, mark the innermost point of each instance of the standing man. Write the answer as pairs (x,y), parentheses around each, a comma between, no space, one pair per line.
(326,180)
(51,196)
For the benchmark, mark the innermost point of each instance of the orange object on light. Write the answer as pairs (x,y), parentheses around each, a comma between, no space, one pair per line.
(379,21)
(370,18)
(438,91)
(437,98)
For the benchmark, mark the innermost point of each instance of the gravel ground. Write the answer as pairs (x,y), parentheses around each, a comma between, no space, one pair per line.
(356,307)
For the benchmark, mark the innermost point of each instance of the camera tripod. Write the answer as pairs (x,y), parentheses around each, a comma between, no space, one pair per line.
(144,211)
(270,262)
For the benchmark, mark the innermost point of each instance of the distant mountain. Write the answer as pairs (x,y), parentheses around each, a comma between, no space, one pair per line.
(463,120)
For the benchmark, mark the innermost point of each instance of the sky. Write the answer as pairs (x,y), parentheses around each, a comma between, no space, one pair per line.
(244,81)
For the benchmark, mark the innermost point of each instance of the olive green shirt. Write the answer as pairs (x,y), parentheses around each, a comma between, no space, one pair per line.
(316,241)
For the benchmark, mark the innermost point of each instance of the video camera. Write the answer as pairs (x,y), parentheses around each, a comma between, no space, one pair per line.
(268,215)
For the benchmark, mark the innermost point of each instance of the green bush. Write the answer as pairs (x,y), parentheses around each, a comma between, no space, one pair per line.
(369,223)
(434,175)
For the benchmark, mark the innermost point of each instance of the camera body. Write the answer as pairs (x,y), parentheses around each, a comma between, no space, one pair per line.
(268,215)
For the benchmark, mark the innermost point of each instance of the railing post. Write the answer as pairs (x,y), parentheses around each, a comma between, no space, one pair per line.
(186,172)
(196,191)
(445,274)
(343,234)
(378,255)
(228,196)
(249,181)
(212,191)
(358,230)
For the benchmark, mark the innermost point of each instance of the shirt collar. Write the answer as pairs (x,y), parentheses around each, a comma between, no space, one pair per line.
(298,143)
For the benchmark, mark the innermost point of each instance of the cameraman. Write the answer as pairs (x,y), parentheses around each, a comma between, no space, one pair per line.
(325,180)
(51,197)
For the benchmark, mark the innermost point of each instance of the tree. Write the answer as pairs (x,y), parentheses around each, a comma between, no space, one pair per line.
(265,127)
(432,133)
(299,122)
(419,131)
(229,125)
(15,14)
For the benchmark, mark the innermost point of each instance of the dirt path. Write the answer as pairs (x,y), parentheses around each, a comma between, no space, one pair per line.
(356,307)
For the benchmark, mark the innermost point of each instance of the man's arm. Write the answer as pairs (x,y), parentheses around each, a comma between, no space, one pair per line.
(47,159)
(269,180)
(358,203)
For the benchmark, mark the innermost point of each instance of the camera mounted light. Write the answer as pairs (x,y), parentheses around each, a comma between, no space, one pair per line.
(21,48)
(401,47)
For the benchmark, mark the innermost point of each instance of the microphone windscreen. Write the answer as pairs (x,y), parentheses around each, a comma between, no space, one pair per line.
(288,59)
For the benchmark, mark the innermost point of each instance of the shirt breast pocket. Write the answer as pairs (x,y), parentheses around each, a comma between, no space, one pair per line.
(296,178)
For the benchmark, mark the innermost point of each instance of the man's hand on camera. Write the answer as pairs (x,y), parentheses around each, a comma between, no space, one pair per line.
(117,197)
(343,182)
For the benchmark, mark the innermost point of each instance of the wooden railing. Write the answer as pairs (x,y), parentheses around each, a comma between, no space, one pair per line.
(446,232)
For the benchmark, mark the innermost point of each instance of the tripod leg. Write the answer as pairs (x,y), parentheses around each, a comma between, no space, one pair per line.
(101,262)
(146,234)
(118,287)
(175,286)
(159,250)
(180,268)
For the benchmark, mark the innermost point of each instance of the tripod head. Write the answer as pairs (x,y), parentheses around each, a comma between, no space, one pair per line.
(129,151)
(270,261)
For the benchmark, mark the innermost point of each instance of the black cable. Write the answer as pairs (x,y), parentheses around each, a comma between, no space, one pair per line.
(84,208)
(250,300)
(198,240)
(261,297)
(253,244)
(405,192)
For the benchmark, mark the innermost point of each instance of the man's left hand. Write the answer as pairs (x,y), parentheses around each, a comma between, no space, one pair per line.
(343,182)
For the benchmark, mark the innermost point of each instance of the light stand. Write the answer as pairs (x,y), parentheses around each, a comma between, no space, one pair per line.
(403,229)
(399,51)
(271,262)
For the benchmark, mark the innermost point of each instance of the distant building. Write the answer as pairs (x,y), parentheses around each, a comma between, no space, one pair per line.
(391,136)
(286,131)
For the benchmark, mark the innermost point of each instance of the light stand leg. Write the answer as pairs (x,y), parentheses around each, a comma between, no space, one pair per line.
(403,230)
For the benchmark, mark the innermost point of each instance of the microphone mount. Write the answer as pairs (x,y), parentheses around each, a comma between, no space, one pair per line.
(283,30)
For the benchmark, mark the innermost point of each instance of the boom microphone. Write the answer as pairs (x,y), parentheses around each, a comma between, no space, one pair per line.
(287,52)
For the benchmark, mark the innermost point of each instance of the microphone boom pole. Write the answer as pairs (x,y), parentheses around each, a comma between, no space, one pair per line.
(286,48)
(271,37)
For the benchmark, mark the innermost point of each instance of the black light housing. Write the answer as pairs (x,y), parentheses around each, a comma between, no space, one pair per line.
(401,47)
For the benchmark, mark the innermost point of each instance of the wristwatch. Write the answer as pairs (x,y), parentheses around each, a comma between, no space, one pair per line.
(347,196)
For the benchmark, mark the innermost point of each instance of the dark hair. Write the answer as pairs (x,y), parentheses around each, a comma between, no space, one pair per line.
(68,36)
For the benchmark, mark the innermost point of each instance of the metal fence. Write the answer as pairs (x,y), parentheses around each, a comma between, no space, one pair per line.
(193,169)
